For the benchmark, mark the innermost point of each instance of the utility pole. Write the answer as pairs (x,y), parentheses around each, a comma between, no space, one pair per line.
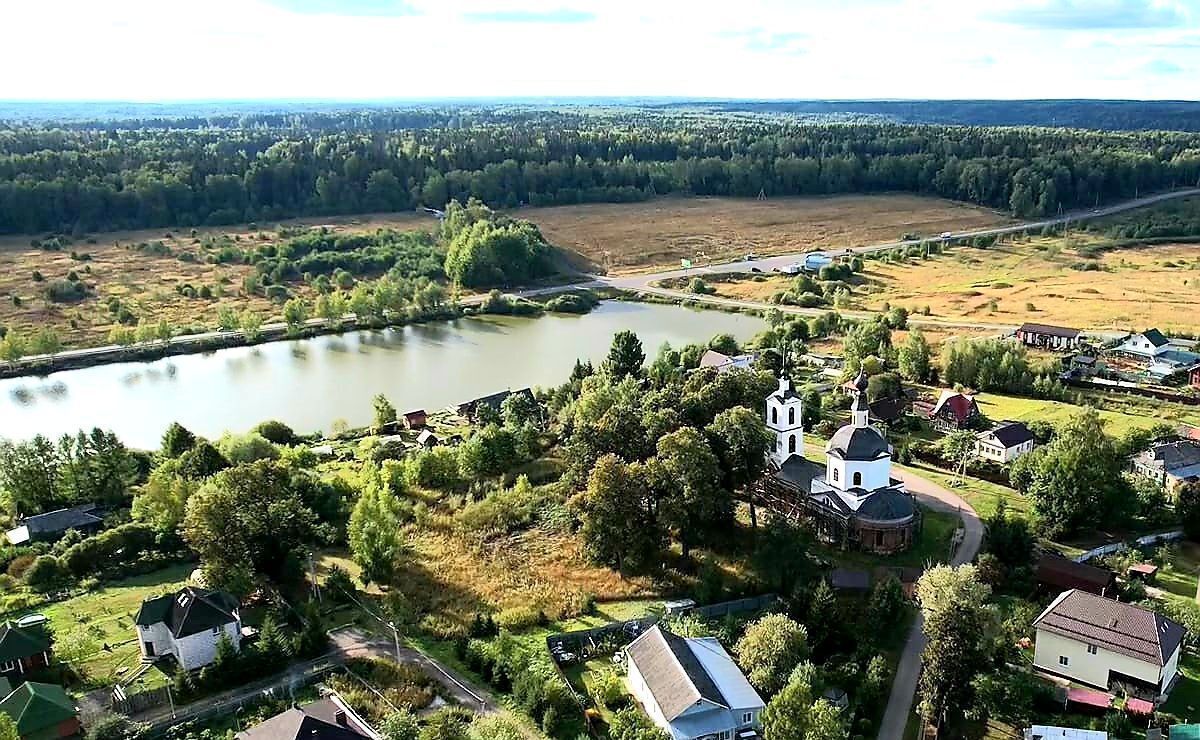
(312,569)
(396,636)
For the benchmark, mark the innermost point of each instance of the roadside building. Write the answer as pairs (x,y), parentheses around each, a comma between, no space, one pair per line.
(1169,462)
(690,687)
(330,718)
(1045,336)
(52,525)
(188,624)
(23,650)
(1005,442)
(1104,644)
(1056,573)
(41,711)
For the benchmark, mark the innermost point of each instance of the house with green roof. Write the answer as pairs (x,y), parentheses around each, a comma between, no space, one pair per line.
(42,711)
(22,650)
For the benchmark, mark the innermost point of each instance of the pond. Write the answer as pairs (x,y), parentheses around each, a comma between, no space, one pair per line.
(311,383)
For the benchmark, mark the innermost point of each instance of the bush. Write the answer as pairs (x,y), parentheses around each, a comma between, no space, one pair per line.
(47,574)
(518,618)
(66,291)
(276,432)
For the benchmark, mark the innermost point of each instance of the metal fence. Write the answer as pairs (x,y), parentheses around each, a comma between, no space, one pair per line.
(1146,541)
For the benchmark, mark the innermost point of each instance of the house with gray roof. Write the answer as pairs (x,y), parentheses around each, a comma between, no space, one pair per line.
(691,688)
(1004,442)
(188,624)
(330,718)
(1103,643)
(1169,462)
(51,525)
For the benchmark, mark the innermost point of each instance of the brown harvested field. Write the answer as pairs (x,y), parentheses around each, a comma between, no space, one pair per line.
(1036,281)
(146,283)
(627,236)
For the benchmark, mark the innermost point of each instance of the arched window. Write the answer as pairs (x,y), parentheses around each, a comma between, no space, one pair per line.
(835,475)
(792,443)
(792,416)
(858,479)
(774,415)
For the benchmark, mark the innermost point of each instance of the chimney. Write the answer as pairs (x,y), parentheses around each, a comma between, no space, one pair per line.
(340,717)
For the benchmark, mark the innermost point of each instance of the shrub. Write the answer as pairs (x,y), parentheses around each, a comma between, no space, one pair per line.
(66,291)
(277,432)
(518,618)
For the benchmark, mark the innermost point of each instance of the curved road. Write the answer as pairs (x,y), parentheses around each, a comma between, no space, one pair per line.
(904,687)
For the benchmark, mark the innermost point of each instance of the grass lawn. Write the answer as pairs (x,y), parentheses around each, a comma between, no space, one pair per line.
(1179,575)
(1117,423)
(1185,699)
(982,495)
(103,620)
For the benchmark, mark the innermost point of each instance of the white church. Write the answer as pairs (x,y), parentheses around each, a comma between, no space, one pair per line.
(852,500)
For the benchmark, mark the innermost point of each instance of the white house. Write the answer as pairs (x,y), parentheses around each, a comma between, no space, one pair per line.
(1169,462)
(1100,642)
(690,687)
(1005,442)
(188,624)
(1148,345)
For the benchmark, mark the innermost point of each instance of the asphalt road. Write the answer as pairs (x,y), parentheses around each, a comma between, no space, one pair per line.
(904,687)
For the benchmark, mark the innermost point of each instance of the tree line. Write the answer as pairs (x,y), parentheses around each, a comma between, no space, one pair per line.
(99,178)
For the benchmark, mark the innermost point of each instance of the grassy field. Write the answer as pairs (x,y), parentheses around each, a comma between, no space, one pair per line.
(1035,280)
(106,617)
(624,237)
(998,407)
(1185,699)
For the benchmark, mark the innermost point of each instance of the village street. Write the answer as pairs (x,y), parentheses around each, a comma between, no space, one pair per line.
(904,687)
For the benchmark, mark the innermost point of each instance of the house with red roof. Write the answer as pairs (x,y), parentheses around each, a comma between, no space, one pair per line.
(953,411)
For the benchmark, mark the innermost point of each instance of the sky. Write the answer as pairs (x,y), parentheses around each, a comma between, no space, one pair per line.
(171,50)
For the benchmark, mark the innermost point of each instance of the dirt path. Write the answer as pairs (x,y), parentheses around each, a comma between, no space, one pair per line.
(904,688)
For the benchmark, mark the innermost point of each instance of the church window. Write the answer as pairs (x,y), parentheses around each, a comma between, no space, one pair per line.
(792,443)
(792,416)
(858,479)
(774,415)
(835,475)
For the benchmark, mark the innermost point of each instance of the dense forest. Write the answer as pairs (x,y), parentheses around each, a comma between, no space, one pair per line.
(103,177)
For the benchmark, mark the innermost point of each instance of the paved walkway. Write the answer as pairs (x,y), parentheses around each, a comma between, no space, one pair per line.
(904,688)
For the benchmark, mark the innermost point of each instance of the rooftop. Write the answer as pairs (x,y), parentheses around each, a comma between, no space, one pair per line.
(189,611)
(1120,628)
(1054,331)
(327,719)
(682,672)
(1009,433)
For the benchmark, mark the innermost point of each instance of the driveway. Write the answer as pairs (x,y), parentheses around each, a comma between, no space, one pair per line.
(904,688)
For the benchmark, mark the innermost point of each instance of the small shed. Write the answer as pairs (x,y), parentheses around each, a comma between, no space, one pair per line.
(1089,699)
(1133,705)
(1060,574)
(415,419)
(1144,572)
(428,439)
(845,579)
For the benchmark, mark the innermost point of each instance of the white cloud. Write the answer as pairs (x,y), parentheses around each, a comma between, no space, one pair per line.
(198,49)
